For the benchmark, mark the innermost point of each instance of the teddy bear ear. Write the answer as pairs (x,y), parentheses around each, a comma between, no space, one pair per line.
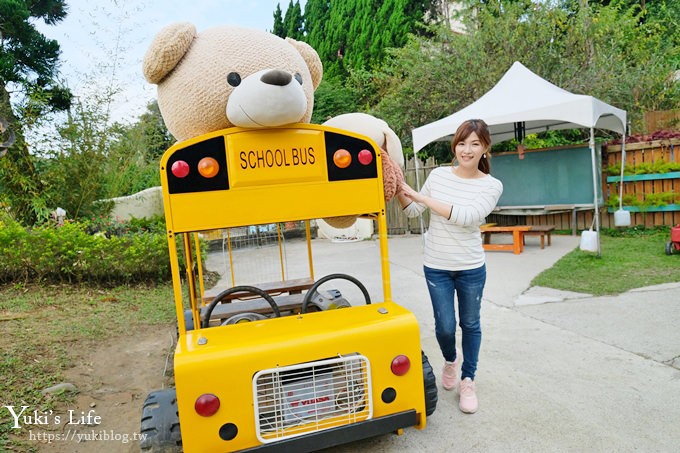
(167,49)
(311,58)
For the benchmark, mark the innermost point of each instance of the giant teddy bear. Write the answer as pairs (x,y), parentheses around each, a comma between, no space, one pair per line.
(230,76)
(233,76)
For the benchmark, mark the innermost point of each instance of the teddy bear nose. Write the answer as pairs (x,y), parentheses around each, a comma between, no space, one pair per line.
(276,77)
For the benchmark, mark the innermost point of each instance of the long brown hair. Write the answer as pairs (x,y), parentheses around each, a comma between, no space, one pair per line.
(480,128)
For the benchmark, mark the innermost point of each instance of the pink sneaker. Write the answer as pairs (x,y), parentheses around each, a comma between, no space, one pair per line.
(450,374)
(468,398)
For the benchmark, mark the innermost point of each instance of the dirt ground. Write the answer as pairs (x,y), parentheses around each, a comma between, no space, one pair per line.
(113,380)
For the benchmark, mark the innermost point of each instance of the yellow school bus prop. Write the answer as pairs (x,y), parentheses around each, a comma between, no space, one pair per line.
(275,366)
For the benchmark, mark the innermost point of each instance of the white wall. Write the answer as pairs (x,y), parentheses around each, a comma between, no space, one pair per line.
(362,229)
(144,204)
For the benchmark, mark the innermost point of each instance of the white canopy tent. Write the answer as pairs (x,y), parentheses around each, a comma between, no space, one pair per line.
(523,99)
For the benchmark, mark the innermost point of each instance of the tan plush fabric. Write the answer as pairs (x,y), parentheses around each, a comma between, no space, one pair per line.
(383,136)
(191,72)
(342,221)
(393,176)
(375,128)
(312,59)
(170,46)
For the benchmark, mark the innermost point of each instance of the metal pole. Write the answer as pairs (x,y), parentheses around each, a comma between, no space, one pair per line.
(420,217)
(596,210)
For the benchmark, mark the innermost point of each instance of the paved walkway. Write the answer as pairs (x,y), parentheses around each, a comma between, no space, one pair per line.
(558,371)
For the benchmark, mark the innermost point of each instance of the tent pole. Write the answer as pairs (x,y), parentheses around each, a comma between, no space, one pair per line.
(596,212)
(623,162)
(420,217)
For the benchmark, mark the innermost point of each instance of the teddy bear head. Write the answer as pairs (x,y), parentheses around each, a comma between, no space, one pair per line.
(230,76)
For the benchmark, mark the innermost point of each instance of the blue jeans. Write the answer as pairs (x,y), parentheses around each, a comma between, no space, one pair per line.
(468,286)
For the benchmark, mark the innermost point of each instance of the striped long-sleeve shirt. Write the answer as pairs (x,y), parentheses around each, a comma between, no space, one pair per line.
(455,243)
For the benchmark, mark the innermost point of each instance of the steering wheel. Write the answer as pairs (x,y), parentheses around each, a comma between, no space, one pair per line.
(315,286)
(238,289)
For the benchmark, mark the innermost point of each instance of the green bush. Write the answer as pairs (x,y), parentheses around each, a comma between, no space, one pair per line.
(644,168)
(71,254)
(113,227)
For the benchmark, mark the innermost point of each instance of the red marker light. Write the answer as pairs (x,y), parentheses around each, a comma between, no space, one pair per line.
(342,158)
(400,365)
(207,404)
(365,157)
(180,169)
(208,167)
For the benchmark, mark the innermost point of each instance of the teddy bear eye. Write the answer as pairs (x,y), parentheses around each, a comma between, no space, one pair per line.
(298,77)
(234,79)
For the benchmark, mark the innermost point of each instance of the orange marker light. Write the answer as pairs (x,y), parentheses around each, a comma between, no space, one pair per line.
(208,167)
(342,158)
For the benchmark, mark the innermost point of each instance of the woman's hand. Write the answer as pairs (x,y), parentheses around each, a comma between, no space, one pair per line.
(407,195)
(411,194)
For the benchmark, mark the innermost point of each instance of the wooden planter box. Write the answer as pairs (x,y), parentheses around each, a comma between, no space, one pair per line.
(667,150)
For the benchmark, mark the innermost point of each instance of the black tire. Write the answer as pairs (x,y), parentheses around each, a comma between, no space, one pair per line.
(669,248)
(430,387)
(160,423)
(188,323)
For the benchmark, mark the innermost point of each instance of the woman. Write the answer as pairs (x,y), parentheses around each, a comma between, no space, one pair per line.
(459,198)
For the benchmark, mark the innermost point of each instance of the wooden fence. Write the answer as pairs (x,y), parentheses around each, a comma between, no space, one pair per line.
(656,189)
(663,119)
(643,187)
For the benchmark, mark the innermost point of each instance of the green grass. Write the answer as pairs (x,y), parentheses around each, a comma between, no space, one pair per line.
(630,258)
(43,328)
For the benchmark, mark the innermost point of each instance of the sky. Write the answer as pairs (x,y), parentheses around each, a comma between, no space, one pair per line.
(98,33)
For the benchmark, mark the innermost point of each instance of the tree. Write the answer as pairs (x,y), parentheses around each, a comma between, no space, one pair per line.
(293,21)
(353,34)
(316,15)
(134,154)
(332,98)
(278,29)
(93,160)
(28,83)
(73,170)
(605,52)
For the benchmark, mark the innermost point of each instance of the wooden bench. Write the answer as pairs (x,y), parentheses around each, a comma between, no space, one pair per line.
(292,302)
(541,230)
(293,286)
(517,232)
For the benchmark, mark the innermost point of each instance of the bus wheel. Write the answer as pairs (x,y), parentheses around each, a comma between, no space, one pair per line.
(160,423)
(430,386)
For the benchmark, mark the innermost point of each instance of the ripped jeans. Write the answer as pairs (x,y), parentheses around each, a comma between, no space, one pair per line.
(468,286)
